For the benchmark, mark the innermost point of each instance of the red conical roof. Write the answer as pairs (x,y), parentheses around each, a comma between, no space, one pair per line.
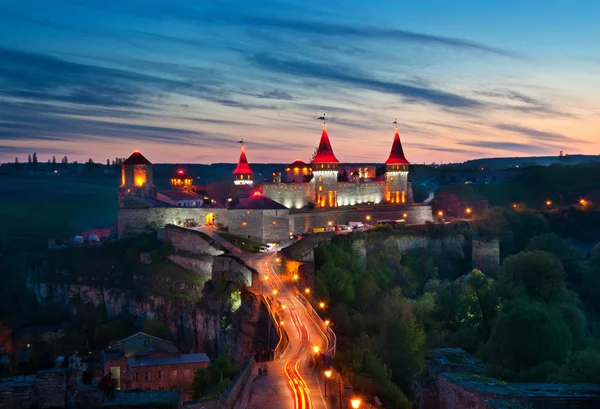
(325,151)
(396,154)
(242,167)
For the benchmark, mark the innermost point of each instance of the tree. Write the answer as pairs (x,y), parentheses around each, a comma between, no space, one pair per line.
(54,161)
(201,383)
(90,161)
(17,160)
(569,256)
(35,160)
(536,274)
(526,335)
(157,328)
(481,302)
(29,159)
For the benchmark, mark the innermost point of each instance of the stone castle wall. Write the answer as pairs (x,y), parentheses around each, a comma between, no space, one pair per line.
(131,222)
(303,222)
(486,256)
(190,241)
(266,226)
(291,195)
(350,194)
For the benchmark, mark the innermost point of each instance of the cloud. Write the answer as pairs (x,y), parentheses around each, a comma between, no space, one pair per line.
(442,149)
(323,28)
(511,146)
(534,133)
(525,104)
(276,94)
(352,77)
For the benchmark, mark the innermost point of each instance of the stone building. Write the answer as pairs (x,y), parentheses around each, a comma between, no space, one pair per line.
(260,218)
(136,178)
(142,361)
(320,184)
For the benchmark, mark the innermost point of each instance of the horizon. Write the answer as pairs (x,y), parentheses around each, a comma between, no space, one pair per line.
(185,82)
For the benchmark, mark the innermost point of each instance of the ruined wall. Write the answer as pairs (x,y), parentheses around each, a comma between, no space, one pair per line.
(131,222)
(302,222)
(190,241)
(486,256)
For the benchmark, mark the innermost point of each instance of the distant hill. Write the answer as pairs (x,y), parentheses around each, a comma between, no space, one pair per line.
(504,163)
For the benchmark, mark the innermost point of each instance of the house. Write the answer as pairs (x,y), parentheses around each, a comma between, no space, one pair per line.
(145,362)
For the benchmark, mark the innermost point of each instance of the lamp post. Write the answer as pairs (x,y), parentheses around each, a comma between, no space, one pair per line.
(355,402)
(327,376)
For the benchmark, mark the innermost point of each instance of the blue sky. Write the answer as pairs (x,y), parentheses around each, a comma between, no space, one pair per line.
(184,81)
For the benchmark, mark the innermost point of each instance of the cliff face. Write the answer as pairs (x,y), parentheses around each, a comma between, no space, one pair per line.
(217,320)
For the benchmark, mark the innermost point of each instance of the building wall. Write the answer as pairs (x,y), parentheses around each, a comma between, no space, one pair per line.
(324,186)
(303,222)
(266,226)
(167,377)
(396,190)
(131,222)
(291,195)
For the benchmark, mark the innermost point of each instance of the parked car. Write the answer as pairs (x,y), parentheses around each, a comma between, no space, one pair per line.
(263,249)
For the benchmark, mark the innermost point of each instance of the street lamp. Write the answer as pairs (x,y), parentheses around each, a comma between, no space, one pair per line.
(307,290)
(281,322)
(582,202)
(295,276)
(330,223)
(278,259)
(283,306)
(274,292)
(316,349)
(548,202)
(355,403)
(468,210)
(327,376)
(321,304)
(440,213)
(368,217)
(327,322)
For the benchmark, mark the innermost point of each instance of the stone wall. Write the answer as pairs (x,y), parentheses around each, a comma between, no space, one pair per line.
(131,222)
(265,226)
(302,222)
(47,389)
(190,241)
(233,269)
(457,391)
(291,195)
(352,193)
(486,256)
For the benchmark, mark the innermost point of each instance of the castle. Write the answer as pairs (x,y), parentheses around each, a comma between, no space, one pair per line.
(321,183)
(320,194)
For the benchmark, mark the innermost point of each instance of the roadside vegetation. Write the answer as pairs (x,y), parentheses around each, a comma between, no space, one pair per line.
(537,320)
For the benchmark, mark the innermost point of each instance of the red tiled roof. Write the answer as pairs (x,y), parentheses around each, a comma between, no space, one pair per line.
(325,151)
(396,154)
(136,158)
(242,167)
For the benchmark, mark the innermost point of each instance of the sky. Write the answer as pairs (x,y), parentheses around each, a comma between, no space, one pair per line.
(183,81)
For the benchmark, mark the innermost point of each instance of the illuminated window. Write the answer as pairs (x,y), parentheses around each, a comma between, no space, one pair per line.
(320,187)
(243,224)
(139,177)
(391,178)
(248,211)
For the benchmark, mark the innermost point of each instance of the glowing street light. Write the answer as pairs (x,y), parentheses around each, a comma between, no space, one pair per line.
(274,292)
(321,304)
(582,202)
(330,223)
(283,306)
(316,349)
(404,215)
(368,217)
(355,403)
(295,276)
(548,202)
(468,210)
(514,205)
(327,373)
(440,213)
(281,323)
(327,322)
(307,290)
(278,259)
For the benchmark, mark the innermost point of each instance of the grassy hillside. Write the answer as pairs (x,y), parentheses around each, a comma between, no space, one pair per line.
(35,209)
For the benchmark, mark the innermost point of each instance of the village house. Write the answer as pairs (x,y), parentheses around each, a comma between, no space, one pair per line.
(145,362)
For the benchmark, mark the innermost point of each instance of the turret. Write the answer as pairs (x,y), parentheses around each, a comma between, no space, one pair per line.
(181,181)
(242,175)
(396,174)
(325,173)
(136,178)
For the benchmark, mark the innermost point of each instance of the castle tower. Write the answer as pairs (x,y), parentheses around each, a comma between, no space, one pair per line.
(396,174)
(242,175)
(136,178)
(181,181)
(325,173)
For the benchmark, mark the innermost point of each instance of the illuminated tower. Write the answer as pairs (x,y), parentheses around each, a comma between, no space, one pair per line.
(242,175)
(396,174)
(136,178)
(181,181)
(325,173)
